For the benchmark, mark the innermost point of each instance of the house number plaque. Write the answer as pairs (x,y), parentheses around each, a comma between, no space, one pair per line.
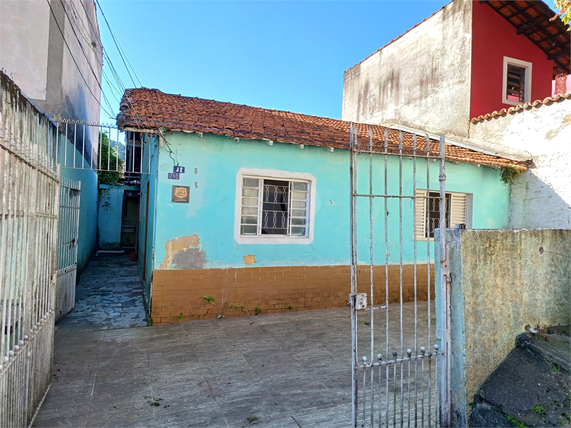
(181,194)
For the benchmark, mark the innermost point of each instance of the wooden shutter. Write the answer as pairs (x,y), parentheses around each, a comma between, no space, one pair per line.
(420,214)
(458,210)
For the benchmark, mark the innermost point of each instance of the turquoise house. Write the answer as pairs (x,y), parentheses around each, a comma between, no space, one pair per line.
(246,210)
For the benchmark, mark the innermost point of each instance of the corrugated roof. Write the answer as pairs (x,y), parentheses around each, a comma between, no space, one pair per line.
(522,107)
(151,109)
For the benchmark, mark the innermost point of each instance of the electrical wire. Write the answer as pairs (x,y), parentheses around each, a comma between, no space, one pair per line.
(121,53)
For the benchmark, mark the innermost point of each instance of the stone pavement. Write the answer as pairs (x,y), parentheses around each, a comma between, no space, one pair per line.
(108,296)
(281,370)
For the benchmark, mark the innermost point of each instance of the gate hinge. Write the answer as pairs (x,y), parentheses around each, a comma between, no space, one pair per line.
(358,301)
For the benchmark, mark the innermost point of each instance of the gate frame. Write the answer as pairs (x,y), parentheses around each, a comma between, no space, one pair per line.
(359,301)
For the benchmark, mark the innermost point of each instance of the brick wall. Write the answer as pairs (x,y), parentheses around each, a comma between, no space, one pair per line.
(179,294)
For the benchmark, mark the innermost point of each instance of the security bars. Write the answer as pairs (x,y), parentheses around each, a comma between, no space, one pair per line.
(394,382)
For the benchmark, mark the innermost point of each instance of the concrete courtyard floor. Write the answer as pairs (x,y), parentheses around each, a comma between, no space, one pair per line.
(283,370)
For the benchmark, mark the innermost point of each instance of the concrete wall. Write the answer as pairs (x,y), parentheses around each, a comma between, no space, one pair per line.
(33,51)
(200,235)
(502,281)
(110,211)
(540,198)
(421,80)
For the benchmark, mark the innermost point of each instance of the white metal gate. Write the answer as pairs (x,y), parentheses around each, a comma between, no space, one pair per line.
(394,216)
(29,190)
(68,235)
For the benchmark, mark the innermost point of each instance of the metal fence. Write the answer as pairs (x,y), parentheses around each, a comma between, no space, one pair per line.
(104,148)
(29,191)
(68,235)
(394,350)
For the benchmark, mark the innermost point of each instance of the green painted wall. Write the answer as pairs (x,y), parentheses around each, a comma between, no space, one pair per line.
(212,163)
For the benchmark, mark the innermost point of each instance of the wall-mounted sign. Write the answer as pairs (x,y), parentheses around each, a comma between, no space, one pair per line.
(174,176)
(178,169)
(181,194)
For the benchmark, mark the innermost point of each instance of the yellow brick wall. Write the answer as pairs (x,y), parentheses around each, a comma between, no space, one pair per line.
(179,294)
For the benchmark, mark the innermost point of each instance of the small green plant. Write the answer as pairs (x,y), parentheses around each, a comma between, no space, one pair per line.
(252,419)
(180,317)
(472,404)
(539,409)
(257,310)
(290,307)
(515,422)
(510,173)
(209,300)
(367,323)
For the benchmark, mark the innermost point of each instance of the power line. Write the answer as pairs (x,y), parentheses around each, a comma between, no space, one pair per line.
(74,60)
(121,53)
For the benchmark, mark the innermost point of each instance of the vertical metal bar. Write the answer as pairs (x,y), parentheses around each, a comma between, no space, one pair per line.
(5,210)
(408,354)
(415,236)
(380,358)
(133,152)
(66,142)
(437,356)
(394,388)
(74,142)
(371,321)
(57,142)
(116,149)
(385,215)
(100,147)
(422,352)
(141,156)
(445,291)
(149,138)
(427,205)
(353,285)
(83,148)
(401,308)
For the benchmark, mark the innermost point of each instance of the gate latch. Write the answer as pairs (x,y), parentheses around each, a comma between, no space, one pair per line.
(358,301)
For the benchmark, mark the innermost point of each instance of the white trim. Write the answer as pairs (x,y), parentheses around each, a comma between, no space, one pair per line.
(269,239)
(527,90)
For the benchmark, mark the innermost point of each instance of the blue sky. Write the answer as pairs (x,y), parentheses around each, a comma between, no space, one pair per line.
(287,55)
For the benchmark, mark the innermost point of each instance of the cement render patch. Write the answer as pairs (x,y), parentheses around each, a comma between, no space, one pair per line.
(286,370)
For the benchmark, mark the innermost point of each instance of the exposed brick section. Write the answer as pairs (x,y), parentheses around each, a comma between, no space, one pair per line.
(239,291)
(144,108)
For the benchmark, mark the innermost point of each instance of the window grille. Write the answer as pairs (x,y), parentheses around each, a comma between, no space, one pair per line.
(427,215)
(515,83)
(274,207)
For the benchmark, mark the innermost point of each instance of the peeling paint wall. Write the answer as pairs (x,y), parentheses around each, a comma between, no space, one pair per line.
(502,281)
(421,80)
(540,198)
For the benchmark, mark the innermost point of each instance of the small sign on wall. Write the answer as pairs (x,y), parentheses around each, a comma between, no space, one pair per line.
(181,194)
(173,176)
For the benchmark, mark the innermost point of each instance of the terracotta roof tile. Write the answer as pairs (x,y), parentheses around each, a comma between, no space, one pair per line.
(522,107)
(148,109)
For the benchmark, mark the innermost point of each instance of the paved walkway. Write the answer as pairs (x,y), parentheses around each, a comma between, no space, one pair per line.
(282,370)
(108,296)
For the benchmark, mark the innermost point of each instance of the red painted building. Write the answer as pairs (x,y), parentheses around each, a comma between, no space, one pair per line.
(507,67)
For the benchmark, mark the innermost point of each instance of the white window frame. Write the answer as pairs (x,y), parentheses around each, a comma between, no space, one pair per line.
(275,175)
(527,89)
(457,214)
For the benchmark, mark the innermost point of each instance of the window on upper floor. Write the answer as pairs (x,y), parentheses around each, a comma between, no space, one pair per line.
(458,208)
(274,207)
(516,81)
